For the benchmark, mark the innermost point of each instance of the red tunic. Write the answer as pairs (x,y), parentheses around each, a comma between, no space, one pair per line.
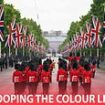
(93,67)
(40,68)
(70,58)
(32,76)
(52,66)
(87,75)
(74,75)
(62,75)
(81,70)
(46,77)
(78,58)
(18,77)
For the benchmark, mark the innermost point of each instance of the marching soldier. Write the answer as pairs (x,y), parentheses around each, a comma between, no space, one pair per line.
(19,79)
(46,77)
(74,78)
(1,64)
(93,67)
(87,75)
(40,68)
(32,79)
(62,76)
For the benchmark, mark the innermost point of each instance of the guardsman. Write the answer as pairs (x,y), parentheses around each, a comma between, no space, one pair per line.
(70,57)
(62,76)
(32,79)
(18,79)
(78,57)
(93,67)
(74,78)
(40,68)
(46,77)
(87,75)
(81,70)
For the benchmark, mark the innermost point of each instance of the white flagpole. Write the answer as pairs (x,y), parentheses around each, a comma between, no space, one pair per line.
(9,51)
(0,49)
(23,51)
(90,52)
(97,52)
(30,53)
(16,51)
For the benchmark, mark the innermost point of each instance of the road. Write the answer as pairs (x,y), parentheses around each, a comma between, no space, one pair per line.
(7,87)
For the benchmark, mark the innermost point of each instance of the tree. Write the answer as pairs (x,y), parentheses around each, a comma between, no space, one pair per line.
(1,1)
(97,9)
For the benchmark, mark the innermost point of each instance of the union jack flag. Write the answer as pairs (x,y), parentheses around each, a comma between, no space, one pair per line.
(1,23)
(23,38)
(12,33)
(95,31)
(103,38)
(89,36)
(18,35)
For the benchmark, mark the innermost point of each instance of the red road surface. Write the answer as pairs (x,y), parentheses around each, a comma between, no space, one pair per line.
(6,84)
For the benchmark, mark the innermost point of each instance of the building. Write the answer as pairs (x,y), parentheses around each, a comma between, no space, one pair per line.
(55,38)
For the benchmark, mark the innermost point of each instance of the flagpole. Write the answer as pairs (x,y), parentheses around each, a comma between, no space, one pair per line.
(30,53)
(9,51)
(104,11)
(0,49)
(90,52)
(23,51)
(16,51)
(97,52)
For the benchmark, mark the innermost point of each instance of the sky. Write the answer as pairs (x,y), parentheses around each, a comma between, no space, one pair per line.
(52,14)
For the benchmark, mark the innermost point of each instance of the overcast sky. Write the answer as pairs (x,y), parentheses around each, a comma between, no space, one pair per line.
(53,14)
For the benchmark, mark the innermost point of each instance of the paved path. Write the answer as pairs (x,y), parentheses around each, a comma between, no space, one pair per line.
(6,85)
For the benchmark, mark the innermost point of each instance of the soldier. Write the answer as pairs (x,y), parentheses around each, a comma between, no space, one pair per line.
(87,75)
(32,79)
(40,68)
(81,69)
(11,61)
(18,79)
(1,64)
(74,78)
(5,62)
(98,62)
(46,77)
(93,67)
(62,76)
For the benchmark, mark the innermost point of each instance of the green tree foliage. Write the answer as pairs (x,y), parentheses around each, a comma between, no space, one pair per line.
(35,30)
(97,9)
(33,27)
(1,1)
(10,13)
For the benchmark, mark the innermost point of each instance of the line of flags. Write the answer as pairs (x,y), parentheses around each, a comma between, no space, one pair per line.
(1,23)
(89,37)
(17,36)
